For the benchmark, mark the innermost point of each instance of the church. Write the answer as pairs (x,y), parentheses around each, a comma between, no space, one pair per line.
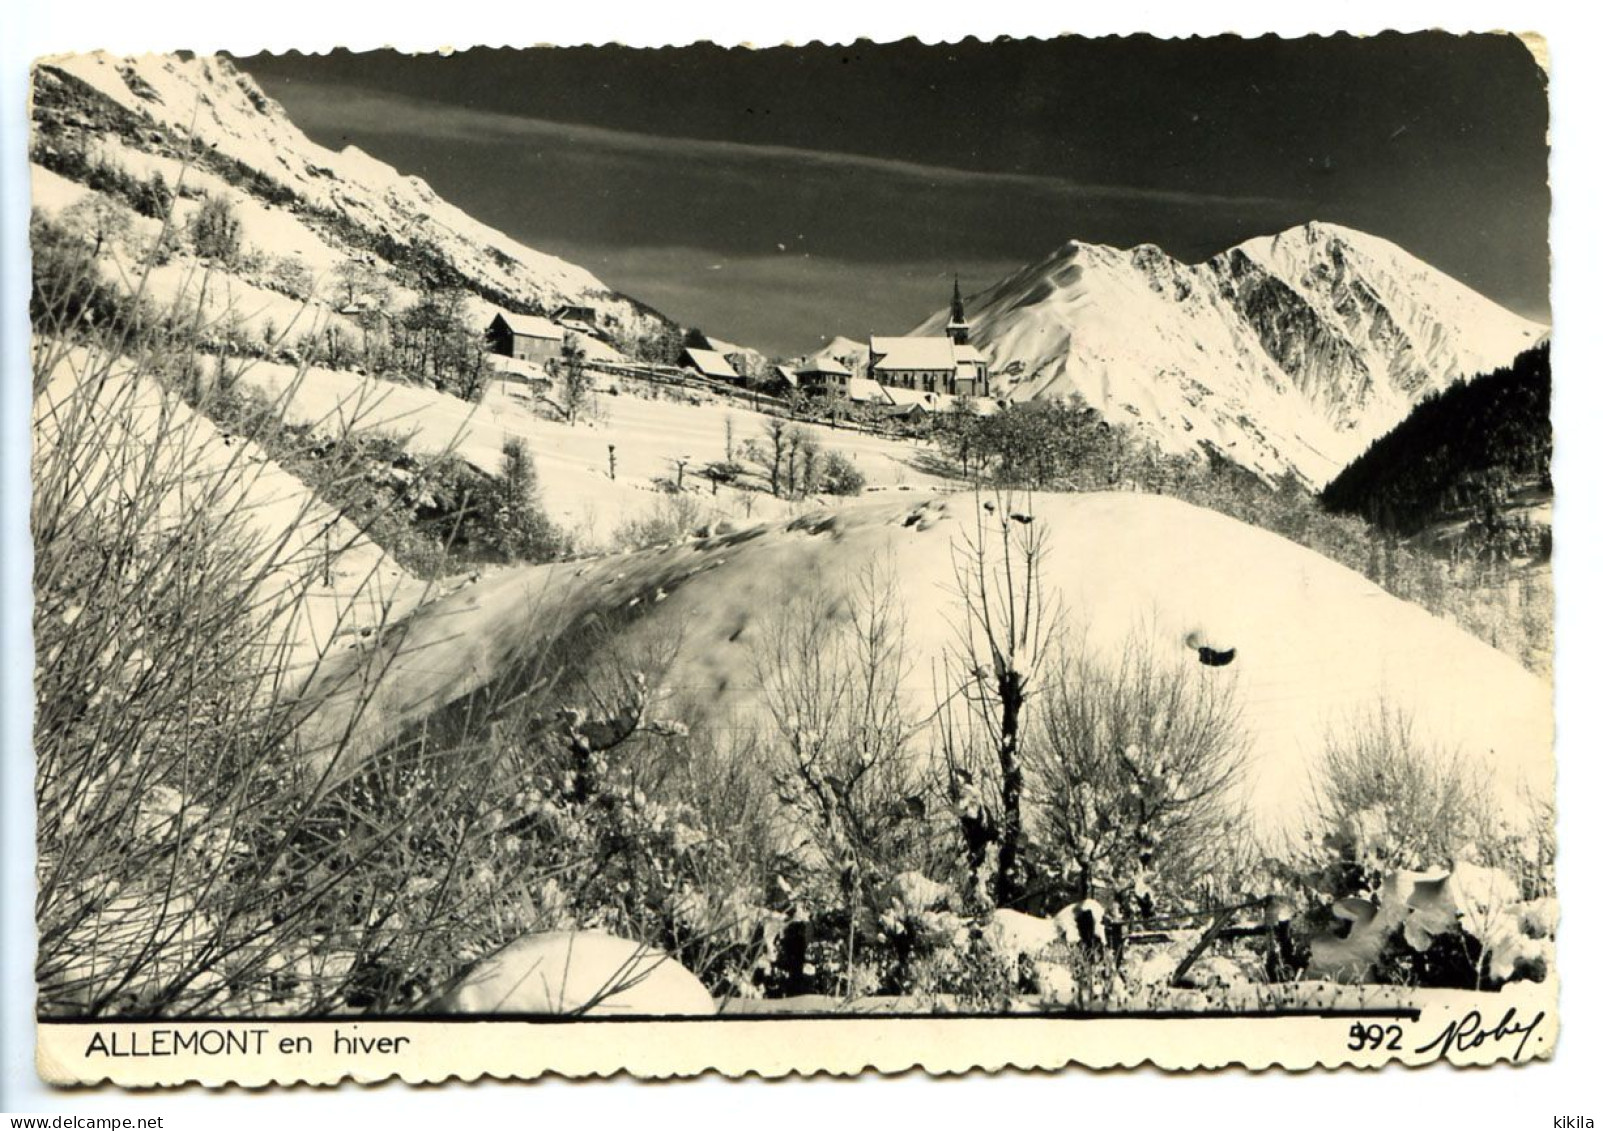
(946,365)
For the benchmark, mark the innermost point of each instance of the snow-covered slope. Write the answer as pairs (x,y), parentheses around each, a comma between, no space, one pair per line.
(300,185)
(588,490)
(852,354)
(1317,647)
(320,581)
(1289,352)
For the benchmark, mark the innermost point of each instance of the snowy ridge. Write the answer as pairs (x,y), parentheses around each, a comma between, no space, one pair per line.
(1287,353)
(210,99)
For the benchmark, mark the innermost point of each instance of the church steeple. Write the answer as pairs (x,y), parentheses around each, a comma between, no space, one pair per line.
(957,325)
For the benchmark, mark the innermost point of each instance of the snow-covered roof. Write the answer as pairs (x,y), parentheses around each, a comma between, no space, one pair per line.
(904,397)
(905,410)
(787,375)
(912,353)
(864,390)
(968,353)
(531,325)
(827,366)
(712,364)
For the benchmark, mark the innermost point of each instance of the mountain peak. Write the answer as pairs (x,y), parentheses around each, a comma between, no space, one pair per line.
(1286,353)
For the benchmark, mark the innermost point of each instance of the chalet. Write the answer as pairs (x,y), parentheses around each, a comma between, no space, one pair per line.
(707,363)
(946,365)
(527,337)
(363,306)
(824,376)
(579,319)
(785,378)
(904,399)
(911,415)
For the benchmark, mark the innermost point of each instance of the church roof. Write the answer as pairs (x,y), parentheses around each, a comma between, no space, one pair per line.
(912,353)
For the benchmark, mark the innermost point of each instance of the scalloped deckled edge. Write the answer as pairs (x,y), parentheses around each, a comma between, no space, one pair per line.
(441,1052)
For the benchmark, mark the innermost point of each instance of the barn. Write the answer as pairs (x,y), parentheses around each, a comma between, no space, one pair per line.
(527,337)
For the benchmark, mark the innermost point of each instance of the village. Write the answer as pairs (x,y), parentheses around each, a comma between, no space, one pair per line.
(891,383)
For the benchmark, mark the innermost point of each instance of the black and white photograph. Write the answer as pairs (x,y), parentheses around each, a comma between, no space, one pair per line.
(736,549)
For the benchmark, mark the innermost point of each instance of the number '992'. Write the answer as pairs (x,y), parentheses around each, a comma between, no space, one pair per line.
(1361,1036)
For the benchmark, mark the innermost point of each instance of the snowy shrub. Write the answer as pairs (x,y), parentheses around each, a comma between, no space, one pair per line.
(838,475)
(842,764)
(214,230)
(672,518)
(1131,778)
(1383,802)
(1412,873)
(638,826)
(289,275)
(1466,928)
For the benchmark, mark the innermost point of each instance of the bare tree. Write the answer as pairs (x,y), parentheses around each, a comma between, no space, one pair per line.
(830,674)
(572,379)
(1007,624)
(771,451)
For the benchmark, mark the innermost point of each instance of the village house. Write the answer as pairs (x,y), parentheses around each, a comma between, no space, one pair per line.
(824,377)
(363,306)
(946,365)
(708,363)
(527,337)
(579,319)
(862,390)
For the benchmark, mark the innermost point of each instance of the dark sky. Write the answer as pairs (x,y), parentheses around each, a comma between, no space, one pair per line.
(779,197)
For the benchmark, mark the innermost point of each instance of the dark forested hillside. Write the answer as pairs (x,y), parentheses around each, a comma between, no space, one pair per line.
(1467,452)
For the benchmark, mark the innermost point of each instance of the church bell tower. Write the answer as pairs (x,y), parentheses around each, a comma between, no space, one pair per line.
(957,325)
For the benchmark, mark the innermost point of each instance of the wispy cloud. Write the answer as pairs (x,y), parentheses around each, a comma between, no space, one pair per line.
(359,111)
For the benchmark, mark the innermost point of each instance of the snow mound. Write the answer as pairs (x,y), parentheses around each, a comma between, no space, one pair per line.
(578,972)
(1317,647)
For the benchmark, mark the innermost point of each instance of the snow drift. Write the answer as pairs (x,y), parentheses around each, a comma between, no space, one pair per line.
(1316,646)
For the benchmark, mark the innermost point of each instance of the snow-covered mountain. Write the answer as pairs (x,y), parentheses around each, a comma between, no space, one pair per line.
(1288,352)
(298,197)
